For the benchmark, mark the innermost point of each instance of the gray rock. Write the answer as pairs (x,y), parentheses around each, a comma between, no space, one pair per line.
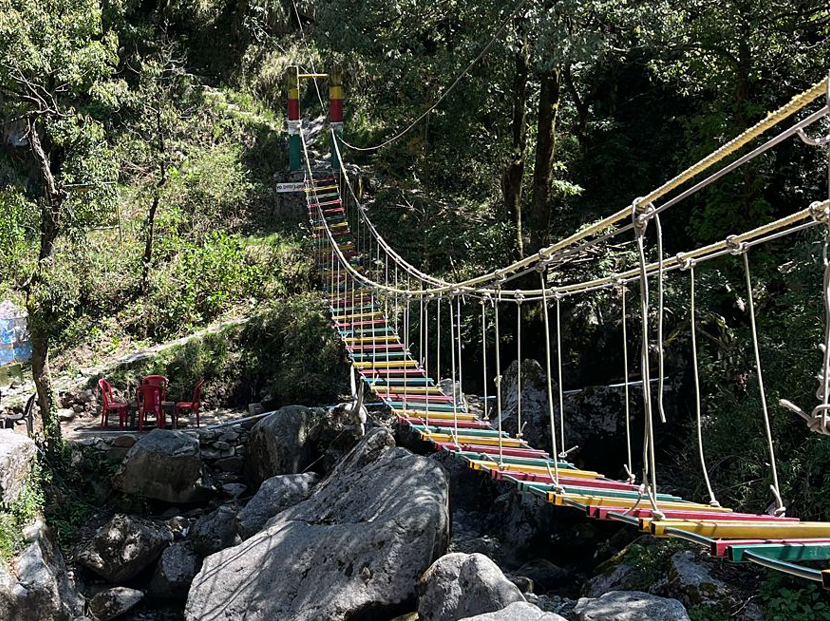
(123,547)
(39,589)
(518,611)
(459,585)
(165,465)
(278,444)
(114,602)
(630,606)
(215,531)
(275,494)
(545,575)
(358,544)
(692,583)
(620,577)
(124,441)
(176,569)
(523,520)
(16,455)
(235,463)
(234,490)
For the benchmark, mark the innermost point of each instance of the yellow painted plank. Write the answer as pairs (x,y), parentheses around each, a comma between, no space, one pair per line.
(489,465)
(627,503)
(725,529)
(462,439)
(396,364)
(321,188)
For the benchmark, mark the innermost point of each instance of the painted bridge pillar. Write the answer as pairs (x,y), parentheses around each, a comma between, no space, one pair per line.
(336,115)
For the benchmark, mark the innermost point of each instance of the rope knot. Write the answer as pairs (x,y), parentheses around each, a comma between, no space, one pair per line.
(820,211)
(641,214)
(541,267)
(735,247)
(686,263)
(558,295)
(519,297)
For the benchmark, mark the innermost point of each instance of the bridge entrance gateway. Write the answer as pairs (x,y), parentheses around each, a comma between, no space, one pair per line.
(374,295)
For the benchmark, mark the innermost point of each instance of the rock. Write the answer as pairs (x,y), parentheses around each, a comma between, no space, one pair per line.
(517,611)
(66,415)
(40,588)
(215,531)
(17,453)
(535,412)
(469,491)
(692,583)
(333,436)
(523,583)
(356,547)
(459,585)
(114,602)
(165,465)
(230,464)
(619,577)
(523,520)
(545,575)
(124,441)
(234,490)
(123,547)
(176,569)
(278,444)
(630,606)
(275,494)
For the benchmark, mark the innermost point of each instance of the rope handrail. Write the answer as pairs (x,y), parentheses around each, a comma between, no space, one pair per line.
(528,263)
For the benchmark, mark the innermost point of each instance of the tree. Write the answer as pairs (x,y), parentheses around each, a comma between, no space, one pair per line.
(56,62)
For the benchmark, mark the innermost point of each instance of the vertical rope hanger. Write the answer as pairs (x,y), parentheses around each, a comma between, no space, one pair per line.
(629,466)
(660,312)
(484,354)
(426,353)
(454,402)
(438,347)
(690,265)
(558,297)
(743,250)
(460,370)
(519,426)
(640,217)
(498,378)
(542,275)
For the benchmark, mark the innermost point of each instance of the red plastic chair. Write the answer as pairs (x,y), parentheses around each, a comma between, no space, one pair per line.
(108,404)
(157,380)
(193,405)
(149,400)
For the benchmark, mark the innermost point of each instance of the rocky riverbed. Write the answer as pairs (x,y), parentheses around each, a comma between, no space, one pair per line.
(296,517)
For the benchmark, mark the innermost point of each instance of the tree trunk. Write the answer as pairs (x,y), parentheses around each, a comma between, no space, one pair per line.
(148,243)
(540,211)
(514,174)
(39,316)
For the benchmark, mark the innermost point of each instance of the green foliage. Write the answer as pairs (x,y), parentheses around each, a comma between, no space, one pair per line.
(25,509)
(286,352)
(707,613)
(652,560)
(789,600)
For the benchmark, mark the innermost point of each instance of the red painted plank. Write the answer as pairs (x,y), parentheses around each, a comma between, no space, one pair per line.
(465,424)
(492,450)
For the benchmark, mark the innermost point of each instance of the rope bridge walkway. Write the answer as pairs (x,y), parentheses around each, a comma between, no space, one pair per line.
(375,296)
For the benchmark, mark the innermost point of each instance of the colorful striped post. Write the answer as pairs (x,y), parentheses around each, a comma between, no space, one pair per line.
(336,114)
(292,85)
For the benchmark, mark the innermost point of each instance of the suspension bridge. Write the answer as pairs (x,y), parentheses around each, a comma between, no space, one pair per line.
(374,294)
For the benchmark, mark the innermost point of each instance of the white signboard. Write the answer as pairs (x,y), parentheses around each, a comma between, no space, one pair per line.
(290,187)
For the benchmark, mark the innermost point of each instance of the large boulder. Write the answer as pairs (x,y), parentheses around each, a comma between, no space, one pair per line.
(524,521)
(463,585)
(691,581)
(36,586)
(614,577)
(123,547)
(275,494)
(280,444)
(165,465)
(215,531)
(175,570)
(16,455)
(114,602)
(630,606)
(357,546)
(518,611)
